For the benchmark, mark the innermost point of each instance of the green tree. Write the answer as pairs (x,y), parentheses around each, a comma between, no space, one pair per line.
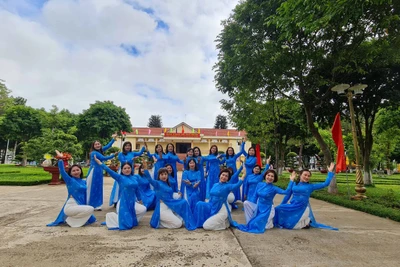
(51,140)
(100,121)
(297,49)
(5,99)
(387,132)
(21,123)
(155,121)
(221,122)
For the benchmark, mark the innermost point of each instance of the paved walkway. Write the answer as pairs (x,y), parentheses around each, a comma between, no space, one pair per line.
(363,240)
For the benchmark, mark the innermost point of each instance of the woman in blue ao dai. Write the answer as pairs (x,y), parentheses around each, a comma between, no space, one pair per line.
(147,195)
(171,179)
(129,212)
(126,155)
(262,217)
(249,164)
(172,158)
(171,209)
(215,214)
(298,214)
(200,165)
(159,157)
(94,179)
(230,160)
(213,160)
(190,184)
(75,212)
(189,156)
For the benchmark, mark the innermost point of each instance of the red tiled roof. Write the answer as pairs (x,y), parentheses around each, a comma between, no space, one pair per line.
(205,131)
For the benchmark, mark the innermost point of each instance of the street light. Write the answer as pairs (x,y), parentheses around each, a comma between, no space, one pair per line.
(350,91)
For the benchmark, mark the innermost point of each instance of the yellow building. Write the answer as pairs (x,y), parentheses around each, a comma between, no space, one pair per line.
(184,136)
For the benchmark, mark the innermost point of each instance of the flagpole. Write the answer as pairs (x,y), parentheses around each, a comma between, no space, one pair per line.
(347,178)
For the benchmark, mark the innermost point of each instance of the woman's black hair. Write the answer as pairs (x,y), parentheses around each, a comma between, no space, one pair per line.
(227,156)
(123,147)
(172,173)
(227,171)
(162,170)
(216,150)
(93,149)
(140,169)
(123,164)
(195,166)
(70,169)
(301,172)
(275,175)
(248,154)
(173,148)
(189,149)
(155,149)
(256,166)
(198,148)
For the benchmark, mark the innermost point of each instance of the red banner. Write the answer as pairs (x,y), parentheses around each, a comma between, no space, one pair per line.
(184,135)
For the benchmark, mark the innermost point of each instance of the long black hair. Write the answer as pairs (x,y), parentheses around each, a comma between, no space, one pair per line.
(122,166)
(227,155)
(173,148)
(198,148)
(195,164)
(216,150)
(164,170)
(123,148)
(93,149)
(172,173)
(70,170)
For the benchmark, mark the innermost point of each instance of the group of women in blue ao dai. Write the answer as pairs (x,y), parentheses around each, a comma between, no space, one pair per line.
(171,210)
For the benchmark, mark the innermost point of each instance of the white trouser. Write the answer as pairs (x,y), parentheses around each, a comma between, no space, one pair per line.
(77,215)
(270,223)
(250,209)
(112,217)
(304,220)
(231,198)
(218,221)
(168,219)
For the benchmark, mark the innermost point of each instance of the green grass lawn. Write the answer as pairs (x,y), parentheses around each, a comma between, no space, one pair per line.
(383,198)
(16,175)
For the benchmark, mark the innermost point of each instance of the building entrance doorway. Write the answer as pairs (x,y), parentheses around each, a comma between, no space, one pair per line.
(182,148)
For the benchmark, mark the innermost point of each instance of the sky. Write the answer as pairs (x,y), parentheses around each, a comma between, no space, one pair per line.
(151,57)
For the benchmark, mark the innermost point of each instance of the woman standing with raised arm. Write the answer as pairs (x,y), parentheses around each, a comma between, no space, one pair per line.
(298,213)
(126,155)
(249,164)
(200,164)
(94,179)
(212,169)
(170,208)
(262,217)
(147,195)
(129,212)
(190,184)
(215,214)
(230,159)
(159,157)
(172,158)
(75,212)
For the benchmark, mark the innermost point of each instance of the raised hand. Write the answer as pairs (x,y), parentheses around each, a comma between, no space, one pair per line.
(331,167)
(154,159)
(114,136)
(268,159)
(292,176)
(97,160)
(144,162)
(59,154)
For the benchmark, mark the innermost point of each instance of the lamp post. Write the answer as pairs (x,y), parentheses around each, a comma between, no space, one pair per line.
(350,92)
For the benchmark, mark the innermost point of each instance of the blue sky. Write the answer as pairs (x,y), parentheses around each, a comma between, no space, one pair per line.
(148,56)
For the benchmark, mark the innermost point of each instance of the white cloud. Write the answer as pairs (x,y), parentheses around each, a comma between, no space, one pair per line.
(68,53)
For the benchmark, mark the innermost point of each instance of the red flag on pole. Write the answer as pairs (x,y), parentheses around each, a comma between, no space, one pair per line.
(183,129)
(258,155)
(338,138)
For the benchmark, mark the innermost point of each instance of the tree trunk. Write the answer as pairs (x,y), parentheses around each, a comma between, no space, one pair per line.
(324,147)
(301,156)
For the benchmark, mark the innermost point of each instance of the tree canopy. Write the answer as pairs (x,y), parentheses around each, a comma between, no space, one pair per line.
(221,122)
(155,121)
